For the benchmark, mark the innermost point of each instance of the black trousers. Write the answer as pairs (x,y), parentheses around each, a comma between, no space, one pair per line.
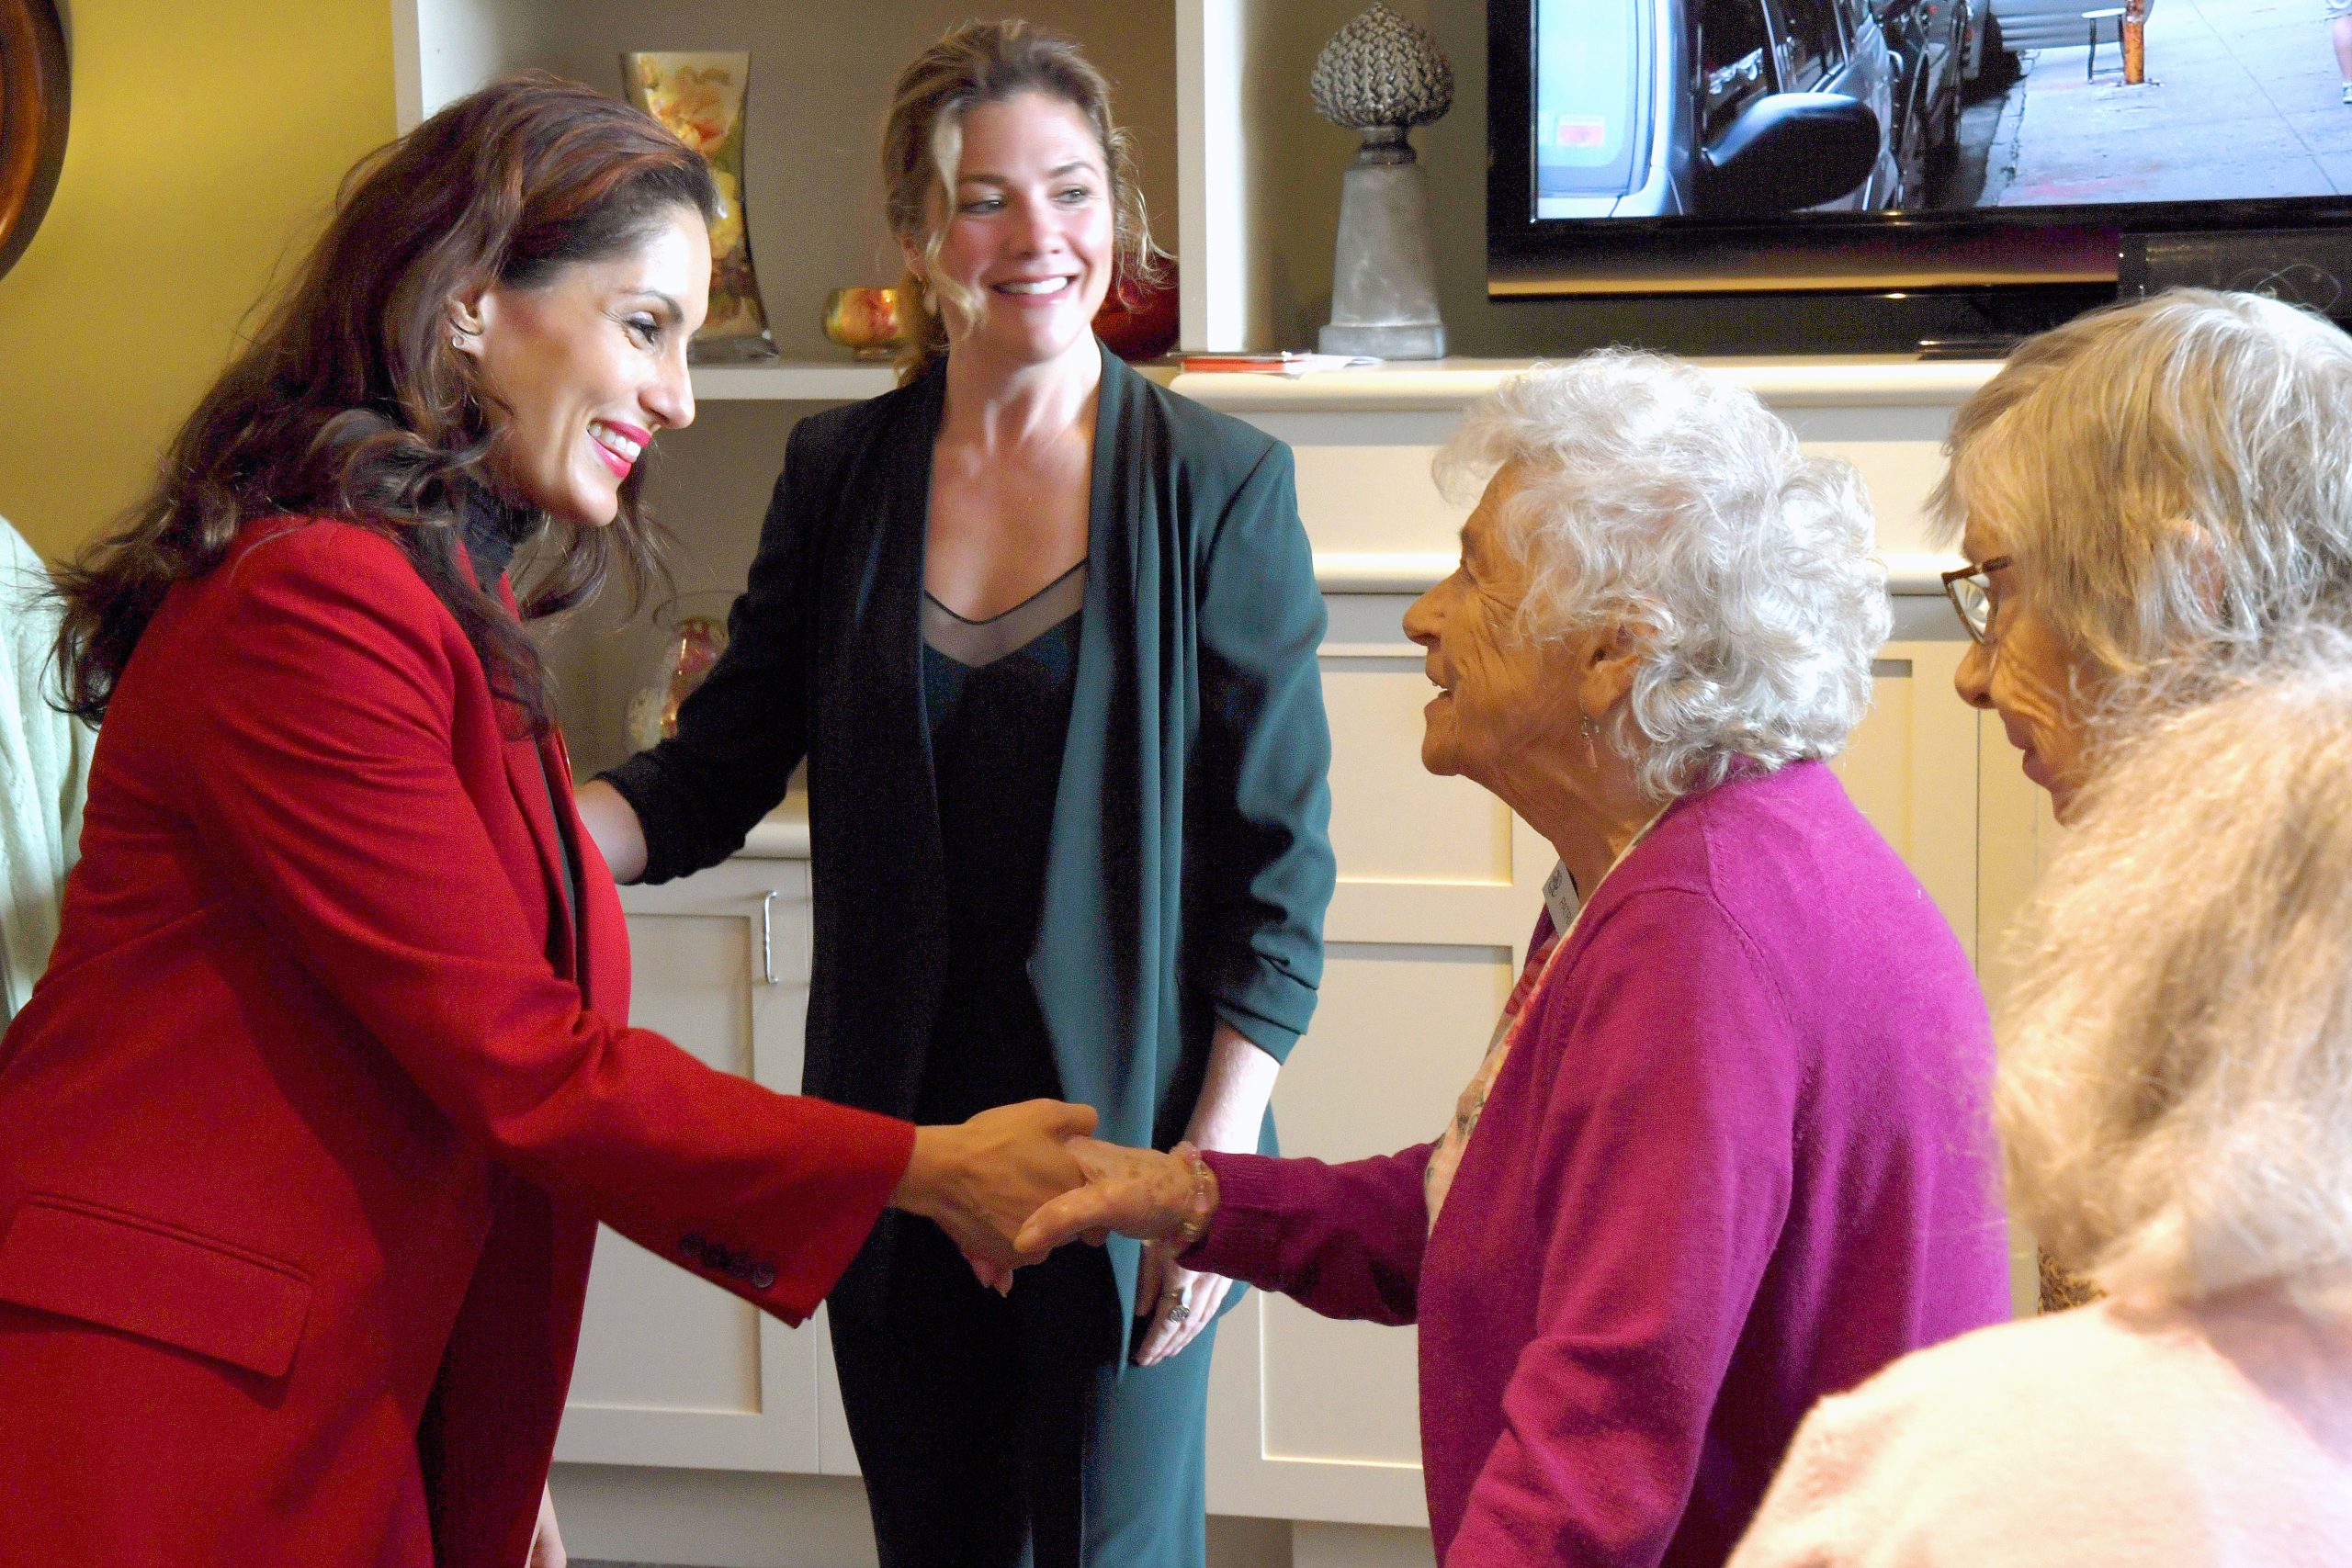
(998,1432)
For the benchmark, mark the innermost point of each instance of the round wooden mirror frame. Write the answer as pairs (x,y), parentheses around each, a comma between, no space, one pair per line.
(33,96)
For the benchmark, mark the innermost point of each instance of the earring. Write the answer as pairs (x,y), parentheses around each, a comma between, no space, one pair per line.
(1592,757)
(458,338)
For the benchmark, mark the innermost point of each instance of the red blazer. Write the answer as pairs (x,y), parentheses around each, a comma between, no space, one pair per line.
(305,1133)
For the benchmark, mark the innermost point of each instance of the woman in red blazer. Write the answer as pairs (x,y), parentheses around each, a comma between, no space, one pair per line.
(305,1133)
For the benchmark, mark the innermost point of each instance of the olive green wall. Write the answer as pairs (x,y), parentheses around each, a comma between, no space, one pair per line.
(204,144)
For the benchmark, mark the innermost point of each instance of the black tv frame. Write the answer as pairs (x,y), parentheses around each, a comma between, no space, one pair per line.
(2020,268)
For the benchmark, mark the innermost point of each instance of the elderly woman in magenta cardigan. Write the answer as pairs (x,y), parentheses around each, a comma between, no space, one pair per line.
(1726,1152)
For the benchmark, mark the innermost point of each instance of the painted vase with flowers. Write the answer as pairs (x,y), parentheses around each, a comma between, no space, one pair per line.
(700,97)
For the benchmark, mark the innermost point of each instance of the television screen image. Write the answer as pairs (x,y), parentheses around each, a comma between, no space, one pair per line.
(1745,108)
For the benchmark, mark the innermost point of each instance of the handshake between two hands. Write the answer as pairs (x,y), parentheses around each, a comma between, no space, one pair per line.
(1013,1183)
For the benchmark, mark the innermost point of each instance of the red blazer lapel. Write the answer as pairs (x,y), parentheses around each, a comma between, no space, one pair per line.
(533,767)
(587,933)
(532,782)
(602,947)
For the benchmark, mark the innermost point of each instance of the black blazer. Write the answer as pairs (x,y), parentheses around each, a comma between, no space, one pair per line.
(1189,860)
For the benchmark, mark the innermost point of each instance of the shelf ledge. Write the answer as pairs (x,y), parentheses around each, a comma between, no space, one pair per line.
(1449,384)
(793,381)
(782,833)
(1416,571)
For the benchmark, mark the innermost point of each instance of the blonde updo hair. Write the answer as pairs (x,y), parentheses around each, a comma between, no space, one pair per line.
(923,144)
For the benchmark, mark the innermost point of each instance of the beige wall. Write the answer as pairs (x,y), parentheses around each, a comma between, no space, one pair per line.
(205,141)
(821,84)
(1297,158)
(1296,164)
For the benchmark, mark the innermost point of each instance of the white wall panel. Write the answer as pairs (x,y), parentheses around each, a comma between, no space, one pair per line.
(1395,823)
(1911,768)
(673,1370)
(659,1339)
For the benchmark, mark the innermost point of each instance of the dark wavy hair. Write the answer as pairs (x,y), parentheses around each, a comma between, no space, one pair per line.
(351,400)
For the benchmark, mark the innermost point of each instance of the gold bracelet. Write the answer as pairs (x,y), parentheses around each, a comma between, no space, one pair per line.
(1198,1204)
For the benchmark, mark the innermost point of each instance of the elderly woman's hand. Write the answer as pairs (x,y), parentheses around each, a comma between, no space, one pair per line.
(1138,1193)
(1150,1196)
(1178,1302)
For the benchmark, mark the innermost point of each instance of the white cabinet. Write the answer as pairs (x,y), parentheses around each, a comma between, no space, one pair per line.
(1439,882)
(1912,769)
(672,1370)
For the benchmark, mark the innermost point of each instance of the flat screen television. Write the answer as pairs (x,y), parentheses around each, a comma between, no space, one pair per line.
(1674,146)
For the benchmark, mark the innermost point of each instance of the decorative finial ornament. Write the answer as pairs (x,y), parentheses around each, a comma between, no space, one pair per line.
(1382,76)
(1382,70)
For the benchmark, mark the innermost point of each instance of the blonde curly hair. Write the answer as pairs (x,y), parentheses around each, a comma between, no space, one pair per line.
(2177,471)
(986,62)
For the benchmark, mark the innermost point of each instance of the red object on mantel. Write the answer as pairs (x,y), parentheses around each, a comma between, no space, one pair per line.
(1139,320)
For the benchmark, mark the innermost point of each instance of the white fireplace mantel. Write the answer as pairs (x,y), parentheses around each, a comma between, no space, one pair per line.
(1443,385)
(1364,440)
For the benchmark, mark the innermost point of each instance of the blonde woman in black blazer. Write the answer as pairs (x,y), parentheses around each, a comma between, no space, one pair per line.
(1046,637)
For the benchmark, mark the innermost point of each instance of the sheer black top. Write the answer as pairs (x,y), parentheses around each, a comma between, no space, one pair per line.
(997,699)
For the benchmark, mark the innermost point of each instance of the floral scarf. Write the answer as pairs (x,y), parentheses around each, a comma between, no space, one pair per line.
(1563,908)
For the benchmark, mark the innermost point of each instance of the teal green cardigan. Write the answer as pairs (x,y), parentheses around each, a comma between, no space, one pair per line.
(1190,860)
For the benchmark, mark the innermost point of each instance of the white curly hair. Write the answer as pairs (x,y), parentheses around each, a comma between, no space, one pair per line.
(2175,1092)
(1660,498)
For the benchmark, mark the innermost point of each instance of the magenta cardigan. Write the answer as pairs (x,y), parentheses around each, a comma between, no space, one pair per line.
(1737,1160)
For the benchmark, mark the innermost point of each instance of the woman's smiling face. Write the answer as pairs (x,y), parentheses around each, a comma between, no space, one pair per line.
(1031,234)
(1502,698)
(578,372)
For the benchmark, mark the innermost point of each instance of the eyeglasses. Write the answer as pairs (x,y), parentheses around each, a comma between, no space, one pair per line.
(1969,589)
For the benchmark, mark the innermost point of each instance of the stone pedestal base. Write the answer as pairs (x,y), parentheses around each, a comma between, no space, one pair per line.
(1417,340)
(1384,278)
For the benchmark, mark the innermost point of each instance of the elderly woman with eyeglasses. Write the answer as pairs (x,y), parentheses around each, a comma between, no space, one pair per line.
(2145,494)
(1726,1152)
(2175,1102)
(2145,497)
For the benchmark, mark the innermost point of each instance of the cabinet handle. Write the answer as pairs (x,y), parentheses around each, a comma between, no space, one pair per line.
(767,938)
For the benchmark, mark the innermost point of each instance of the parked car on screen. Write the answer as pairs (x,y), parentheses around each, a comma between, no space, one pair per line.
(1711,108)
(1985,54)
(1930,42)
